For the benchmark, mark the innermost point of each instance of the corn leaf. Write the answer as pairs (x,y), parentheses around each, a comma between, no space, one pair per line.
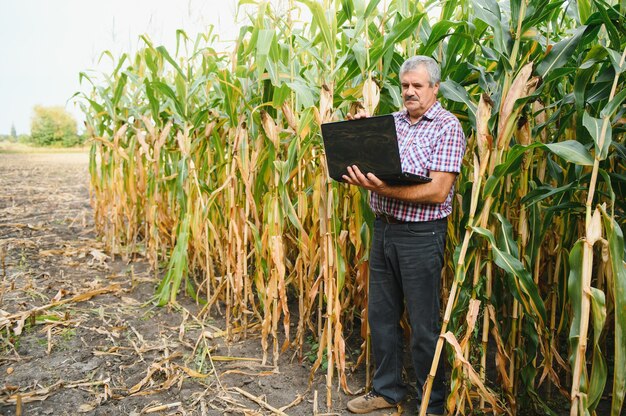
(560,53)
(615,238)
(524,289)
(594,127)
(598,375)
(455,92)
(572,151)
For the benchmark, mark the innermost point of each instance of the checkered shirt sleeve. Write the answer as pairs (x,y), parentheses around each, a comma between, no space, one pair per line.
(449,148)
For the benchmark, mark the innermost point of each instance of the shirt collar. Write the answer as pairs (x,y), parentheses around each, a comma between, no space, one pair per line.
(430,114)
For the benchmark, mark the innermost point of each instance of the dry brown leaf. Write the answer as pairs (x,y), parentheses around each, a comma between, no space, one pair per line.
(19,325)
(517,90)
(289,116)
(225,358)
(161,407)
(98,256)
(270,128)
(594,229)
(87,407)
(130,301)
(326,103)
(260,401)
(484,140)
(49,253)
(193,373)
(371,95)
(59,295)
(474,378)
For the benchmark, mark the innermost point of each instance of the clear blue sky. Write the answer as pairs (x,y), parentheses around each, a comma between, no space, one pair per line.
(44,44)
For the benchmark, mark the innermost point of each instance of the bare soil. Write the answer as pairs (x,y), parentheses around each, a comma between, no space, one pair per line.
(79,333)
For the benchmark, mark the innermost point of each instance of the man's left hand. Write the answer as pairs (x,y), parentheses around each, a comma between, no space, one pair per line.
(368,181)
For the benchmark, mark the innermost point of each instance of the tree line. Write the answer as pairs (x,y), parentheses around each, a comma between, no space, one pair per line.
(50,126)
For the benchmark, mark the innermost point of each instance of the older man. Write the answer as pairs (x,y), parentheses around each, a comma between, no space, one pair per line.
(409,237)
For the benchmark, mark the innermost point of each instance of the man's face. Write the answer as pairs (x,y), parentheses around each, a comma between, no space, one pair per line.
(417,93)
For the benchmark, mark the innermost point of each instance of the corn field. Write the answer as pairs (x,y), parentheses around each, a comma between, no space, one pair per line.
(211,165)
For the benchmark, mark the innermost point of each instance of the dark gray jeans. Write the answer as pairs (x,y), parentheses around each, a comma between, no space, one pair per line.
(405,271)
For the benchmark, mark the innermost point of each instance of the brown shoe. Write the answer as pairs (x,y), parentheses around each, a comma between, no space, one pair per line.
(368,403)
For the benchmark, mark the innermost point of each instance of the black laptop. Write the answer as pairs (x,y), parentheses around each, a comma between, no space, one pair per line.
(369,143)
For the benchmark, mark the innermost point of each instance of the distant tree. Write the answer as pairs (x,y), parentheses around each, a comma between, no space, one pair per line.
(13,131)
(53,126)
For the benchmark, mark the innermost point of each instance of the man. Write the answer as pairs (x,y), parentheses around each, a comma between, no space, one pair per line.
(409,237)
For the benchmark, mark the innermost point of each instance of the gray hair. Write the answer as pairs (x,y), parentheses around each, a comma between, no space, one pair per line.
(431,66)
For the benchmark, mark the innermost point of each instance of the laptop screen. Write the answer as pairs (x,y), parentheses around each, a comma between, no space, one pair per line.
(370,143)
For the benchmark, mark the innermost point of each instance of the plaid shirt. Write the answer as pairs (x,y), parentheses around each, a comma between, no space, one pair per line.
(436,142)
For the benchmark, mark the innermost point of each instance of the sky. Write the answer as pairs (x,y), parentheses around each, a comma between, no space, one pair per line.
(45,44)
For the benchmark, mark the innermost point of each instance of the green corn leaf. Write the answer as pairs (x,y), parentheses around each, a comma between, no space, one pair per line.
(119,89)
(560,53)
(614,35)
(614,104)
(542,192)
(264,42)
(616,58)
(512,161)
(574,291)
(151,63)
(147,41)
(615,238)
(177,267)
(304,94)
(165,54)
(360,54)
(152,101)
(341,268)
(572,151)
(594,126)
(505,236)
(541,13)
(448,9)
(371,7)
(598,375)
(489,12)
(438,32)
(319,17)
(280,95)
(96,106)
(455,92)
(83,75)
(181,34)
(581,83)
(399,32)
(525,289)
(594,56)
(347,6)
(123,59)
(166,90)
(584,10)
(290,211)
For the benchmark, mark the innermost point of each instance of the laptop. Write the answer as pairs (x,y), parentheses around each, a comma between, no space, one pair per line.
(369,143)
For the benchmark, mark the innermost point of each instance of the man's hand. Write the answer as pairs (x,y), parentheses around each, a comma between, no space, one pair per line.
(359,114)
(368,181)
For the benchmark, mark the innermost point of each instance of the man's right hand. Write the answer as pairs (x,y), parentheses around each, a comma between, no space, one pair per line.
(359,114)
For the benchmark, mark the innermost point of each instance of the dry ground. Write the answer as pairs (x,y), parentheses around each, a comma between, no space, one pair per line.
(80,335)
